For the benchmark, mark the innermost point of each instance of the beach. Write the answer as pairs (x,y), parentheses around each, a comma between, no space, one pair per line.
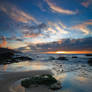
(74,74)
(9,78)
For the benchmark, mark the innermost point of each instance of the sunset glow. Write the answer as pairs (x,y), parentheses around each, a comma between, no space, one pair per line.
(63,26)
(69,52)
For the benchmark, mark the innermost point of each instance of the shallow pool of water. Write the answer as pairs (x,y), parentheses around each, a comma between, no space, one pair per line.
(74,77)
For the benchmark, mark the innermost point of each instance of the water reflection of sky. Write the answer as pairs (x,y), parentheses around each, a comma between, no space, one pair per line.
(25,66)
(75,77)
(72,82)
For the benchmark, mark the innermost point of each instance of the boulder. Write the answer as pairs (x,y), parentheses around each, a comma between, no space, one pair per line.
(56,86)
(90,61)
(22,58)
(74,57)
(88,55)
(62,58)
(51,58)
(45,79)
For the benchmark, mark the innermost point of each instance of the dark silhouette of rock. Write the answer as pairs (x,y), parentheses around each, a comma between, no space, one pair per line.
(62,58)
(90,61)
(88,54)
(5,50)
(74,57)
(7,56)
(23,58)
(51,58)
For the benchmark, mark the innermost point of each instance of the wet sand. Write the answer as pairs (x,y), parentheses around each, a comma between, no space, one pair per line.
(7,79)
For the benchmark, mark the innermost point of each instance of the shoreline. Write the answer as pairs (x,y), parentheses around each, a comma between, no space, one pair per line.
(9,78)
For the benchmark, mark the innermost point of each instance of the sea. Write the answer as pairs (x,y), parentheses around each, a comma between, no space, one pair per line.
(74,73)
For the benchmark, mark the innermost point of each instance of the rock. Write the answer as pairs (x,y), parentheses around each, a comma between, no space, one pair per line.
(7,56)
(51,58)
(56,86)
(90,61)
(74,57)
(22,58)
(88,55)
(45,79)
(62,58)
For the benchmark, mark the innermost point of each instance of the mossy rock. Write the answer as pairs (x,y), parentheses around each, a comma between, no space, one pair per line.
(45,79)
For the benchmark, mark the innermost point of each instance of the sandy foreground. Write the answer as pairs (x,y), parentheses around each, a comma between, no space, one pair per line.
(7,79)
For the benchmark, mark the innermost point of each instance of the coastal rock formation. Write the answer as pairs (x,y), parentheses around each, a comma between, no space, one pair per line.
(8,56)
(74,57)
(62,58)
(56,86)
(90,61)
(51,58)
(88,55)
(45,79)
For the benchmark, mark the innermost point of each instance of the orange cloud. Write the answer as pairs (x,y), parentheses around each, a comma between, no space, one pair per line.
(58,9)
(60,42)
(86,3)
(4,42)
(83,27)
(60,27)
(17,14)
(52,30)
(61,30)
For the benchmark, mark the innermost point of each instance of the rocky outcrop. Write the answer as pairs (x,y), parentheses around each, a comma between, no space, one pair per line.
(88,55)
(56,86)
(22,58)
(8,56)
(74,57)
(62,58)
(46,79)
(90,61)
(51,58)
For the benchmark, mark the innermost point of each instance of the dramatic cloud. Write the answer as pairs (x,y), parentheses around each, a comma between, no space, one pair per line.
(45,33)
(17,14)
(62,31)
(11,38)
(83,27)
(58,9)
(86,3)
(84,44)
(59,27)
(34,31)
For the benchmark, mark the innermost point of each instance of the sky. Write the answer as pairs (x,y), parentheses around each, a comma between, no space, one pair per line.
(46,26)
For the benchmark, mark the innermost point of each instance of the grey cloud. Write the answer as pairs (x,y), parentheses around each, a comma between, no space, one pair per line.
(34,29)
(68,45)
